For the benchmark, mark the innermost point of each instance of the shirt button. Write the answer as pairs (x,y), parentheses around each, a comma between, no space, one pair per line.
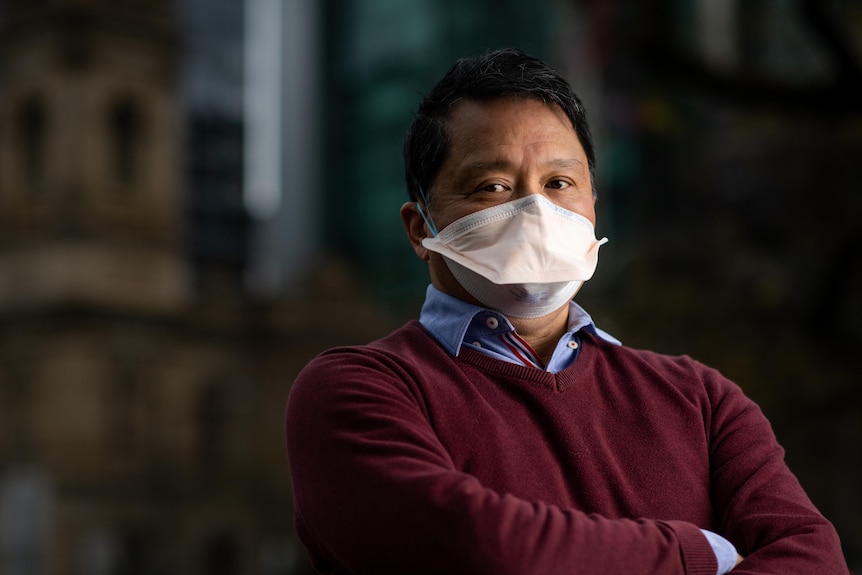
(492,323)
(477,344)
(573,345)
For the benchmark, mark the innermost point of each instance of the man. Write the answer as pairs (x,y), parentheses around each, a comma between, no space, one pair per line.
(504,432)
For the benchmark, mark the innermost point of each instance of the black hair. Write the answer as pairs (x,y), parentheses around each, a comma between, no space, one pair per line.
(490,75)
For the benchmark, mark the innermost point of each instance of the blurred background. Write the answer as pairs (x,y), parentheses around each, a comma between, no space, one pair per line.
(197,196)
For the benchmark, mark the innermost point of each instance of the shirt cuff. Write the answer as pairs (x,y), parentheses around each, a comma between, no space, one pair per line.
(725,552)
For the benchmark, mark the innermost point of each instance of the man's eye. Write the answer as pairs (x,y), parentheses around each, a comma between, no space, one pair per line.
(493,188)
(559,184)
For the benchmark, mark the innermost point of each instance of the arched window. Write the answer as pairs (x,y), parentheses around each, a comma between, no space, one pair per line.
(17,390)
(122,404)
(32,129)
(125,128)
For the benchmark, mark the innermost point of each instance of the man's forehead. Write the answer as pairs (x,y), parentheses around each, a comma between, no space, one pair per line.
(476,124)
(467,109)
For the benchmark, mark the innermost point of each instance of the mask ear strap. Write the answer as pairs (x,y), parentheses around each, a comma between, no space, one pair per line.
(426,217)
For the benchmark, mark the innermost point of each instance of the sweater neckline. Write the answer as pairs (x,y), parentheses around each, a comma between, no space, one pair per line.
(559,381)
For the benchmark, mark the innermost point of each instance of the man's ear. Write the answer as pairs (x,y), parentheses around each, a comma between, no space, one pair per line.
(414,225)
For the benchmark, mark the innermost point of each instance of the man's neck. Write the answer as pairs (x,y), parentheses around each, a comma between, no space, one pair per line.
(543,333)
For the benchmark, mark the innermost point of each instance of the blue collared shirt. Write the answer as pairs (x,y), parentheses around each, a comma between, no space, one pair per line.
(457,324)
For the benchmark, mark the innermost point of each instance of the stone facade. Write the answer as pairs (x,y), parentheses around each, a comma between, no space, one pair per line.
(140,423)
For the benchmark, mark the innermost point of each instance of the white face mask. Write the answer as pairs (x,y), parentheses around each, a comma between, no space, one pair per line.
(524,258)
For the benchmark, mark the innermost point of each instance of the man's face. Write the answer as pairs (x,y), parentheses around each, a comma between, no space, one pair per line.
(502,150)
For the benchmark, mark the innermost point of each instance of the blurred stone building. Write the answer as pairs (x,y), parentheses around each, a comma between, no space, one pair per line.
(140,414)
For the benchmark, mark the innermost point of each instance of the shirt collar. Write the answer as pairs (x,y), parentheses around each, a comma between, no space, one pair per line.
(448,319)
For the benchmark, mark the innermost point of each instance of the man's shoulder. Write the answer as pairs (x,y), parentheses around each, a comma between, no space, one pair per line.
(656,358)
(679,370)
(394,366)
(411,335)
(408,345)
(410,342)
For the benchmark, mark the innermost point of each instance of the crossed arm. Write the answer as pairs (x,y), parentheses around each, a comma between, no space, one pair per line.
(377,492)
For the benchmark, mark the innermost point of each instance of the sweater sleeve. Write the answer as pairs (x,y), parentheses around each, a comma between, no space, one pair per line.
(762,507)
(376,492)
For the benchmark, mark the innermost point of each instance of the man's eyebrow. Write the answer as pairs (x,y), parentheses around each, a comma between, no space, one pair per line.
(566,163)
(479,167)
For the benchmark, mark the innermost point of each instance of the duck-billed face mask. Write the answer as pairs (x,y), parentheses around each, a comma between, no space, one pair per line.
(524,258)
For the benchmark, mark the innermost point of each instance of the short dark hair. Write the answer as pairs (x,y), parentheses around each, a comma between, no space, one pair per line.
(491,75)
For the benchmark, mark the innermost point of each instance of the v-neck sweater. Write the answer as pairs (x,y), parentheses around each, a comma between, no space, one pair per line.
(405,459)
